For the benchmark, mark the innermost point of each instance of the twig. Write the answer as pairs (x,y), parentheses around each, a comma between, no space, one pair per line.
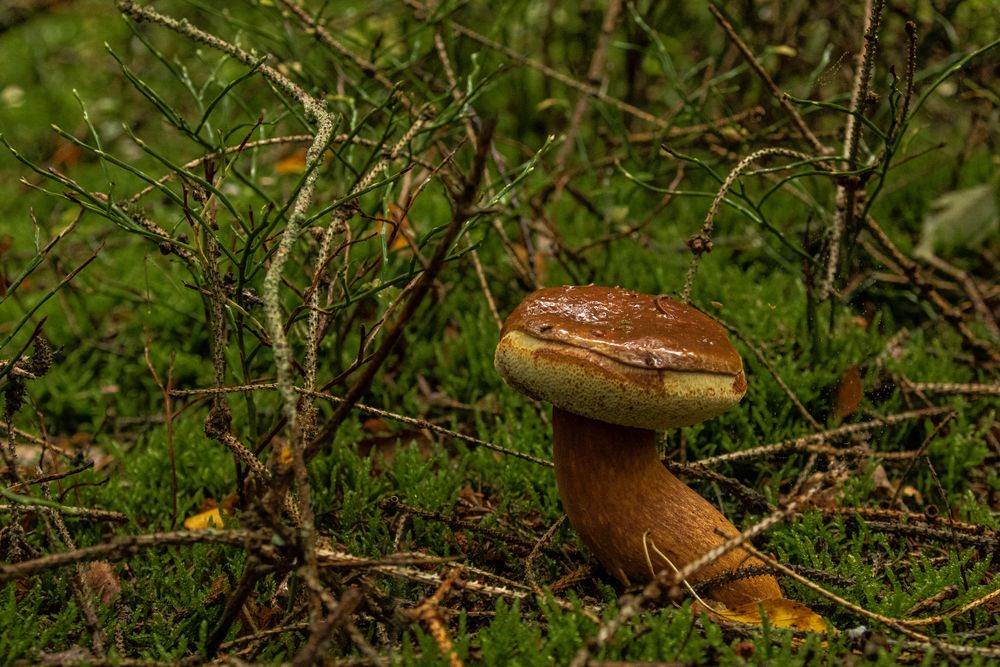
(701,242)
(899,516)
(862,78)
(69,511)
(168,418)
(779,95)
(315,110)
(762,358)
(430,578)
(757,570)
(749,497)
(470,133)
(597,61)
(318,320)
(252,573)
(463,210)
(51,477)
(811,462)
(78,582)
(916,276)
(945,594)
(844,218)
(529,562)
(428,613)
(911,66)
(963,389)
(325,37)
(921,451)
(123,547)
(896,624)
(753,114)
(392,503)
(971,290)
(653,215)
(988,540)
(957,611)
(378,412)
(796,444)
(333,559)
(319,635)
(229,150)
(565,79)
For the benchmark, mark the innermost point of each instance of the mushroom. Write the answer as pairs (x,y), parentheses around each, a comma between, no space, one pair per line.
(616,365)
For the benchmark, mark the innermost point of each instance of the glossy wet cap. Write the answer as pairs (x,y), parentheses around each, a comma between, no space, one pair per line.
(620,356)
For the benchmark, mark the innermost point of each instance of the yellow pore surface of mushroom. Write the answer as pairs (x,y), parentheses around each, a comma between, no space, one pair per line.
(593,385)
(620,356)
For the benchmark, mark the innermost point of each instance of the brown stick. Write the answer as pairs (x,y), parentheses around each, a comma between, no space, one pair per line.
(779,94)
(597,61)
(916,276)
(128,546)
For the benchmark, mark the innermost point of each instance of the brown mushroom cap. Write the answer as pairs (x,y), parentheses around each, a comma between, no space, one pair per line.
(620,356)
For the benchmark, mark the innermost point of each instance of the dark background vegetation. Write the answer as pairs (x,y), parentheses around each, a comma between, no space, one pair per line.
(536,162)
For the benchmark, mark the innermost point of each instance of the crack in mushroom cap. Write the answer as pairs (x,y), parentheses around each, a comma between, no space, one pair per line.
(620,356)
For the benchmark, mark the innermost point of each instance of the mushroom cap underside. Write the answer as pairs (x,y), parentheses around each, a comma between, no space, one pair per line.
(620,357)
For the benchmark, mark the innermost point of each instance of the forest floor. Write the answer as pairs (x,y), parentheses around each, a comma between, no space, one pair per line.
(254,262)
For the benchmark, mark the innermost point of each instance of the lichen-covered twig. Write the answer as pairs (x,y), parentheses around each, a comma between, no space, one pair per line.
(463,210)
(123,547)
(701,242)
(845,214)
(847,430)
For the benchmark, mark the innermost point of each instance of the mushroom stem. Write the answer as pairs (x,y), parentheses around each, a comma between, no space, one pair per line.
(614,488)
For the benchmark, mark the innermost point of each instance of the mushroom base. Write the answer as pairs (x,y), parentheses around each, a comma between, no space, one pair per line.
(614,489)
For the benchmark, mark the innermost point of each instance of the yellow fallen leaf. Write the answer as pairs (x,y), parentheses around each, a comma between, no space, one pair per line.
(781,613)
(397,229)
(295,163)
(203,520)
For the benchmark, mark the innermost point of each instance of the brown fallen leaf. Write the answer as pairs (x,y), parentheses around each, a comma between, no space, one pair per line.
(100,576)
(230,503)
(537,260)
(74,654)
(66,155)
(849,393)
(21,588)
(887,488)
(217,591)
(390,442)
